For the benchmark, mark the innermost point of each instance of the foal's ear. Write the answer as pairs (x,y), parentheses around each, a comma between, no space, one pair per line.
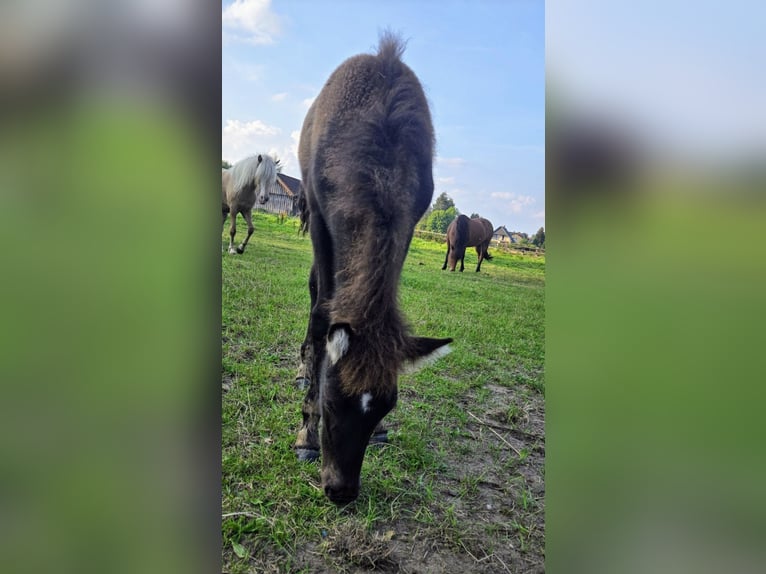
(422,351)
(337,341)
(260,158)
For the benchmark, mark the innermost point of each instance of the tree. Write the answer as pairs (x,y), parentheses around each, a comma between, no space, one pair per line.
(423,223)
(443,202)
(475,216)
(440,219)
(225,164)
(539,238)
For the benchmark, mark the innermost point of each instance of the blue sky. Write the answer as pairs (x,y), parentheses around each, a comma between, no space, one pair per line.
(481,65)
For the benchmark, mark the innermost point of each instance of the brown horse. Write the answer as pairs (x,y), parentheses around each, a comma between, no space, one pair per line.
(239,186)
(366,152)
(464,232)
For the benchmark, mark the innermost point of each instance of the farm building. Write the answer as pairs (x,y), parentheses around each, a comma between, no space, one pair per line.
(502,236)
(283,196)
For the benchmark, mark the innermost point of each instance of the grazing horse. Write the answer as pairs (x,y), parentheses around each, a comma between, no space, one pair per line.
(239,185)
(366,152)
(464,232)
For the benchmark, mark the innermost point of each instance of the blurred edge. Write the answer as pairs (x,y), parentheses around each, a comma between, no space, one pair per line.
(110,350)
(109,145)
(656,173)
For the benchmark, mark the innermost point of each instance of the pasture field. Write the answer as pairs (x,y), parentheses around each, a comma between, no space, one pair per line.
(460,485)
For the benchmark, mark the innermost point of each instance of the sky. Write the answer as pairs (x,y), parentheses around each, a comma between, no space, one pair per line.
(481,65)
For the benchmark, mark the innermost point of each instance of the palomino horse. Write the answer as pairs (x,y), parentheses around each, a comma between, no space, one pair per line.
(366,152)
(464,232)
(239,185)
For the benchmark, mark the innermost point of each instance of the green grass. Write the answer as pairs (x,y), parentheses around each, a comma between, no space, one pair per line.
(275,515)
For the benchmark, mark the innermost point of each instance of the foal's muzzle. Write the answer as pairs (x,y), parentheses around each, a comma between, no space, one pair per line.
(341,494)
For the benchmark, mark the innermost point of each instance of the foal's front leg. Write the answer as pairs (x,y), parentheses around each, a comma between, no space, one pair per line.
(305,375)
(307,443)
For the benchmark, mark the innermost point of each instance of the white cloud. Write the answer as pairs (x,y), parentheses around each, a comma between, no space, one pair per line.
(252,21)
(445,180)
(255,127)
(307,102)
(451,161)
(241,139)
(288,154)
(279,97)
(516,203)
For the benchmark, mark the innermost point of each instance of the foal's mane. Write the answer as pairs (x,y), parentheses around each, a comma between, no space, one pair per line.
(379,150)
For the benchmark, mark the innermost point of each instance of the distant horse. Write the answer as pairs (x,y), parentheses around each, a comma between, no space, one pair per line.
(366,152)
(239,185)
(464,232)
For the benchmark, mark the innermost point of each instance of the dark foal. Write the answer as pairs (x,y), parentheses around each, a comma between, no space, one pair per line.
(464,232)
(366,153)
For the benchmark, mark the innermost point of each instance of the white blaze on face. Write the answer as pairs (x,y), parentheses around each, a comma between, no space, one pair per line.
(365,402)
(337,345)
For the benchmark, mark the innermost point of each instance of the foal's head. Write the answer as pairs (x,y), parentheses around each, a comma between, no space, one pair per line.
(358,387)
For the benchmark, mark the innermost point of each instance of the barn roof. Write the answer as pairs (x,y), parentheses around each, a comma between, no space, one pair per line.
(290,185)
(504,231)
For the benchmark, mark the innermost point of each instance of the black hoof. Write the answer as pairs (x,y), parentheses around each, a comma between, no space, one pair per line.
(302,383)
(379,437)
(240,250)
(307,454)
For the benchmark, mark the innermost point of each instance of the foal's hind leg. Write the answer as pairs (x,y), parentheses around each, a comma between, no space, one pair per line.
(446,257)
(248,215)
(232,230)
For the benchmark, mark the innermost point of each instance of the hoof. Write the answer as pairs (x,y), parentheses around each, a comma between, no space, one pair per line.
(232,251)
(307,454)
(379,437)
(302,383)
(240,250)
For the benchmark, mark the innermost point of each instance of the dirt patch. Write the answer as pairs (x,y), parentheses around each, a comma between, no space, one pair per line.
(489,515)
(227,382)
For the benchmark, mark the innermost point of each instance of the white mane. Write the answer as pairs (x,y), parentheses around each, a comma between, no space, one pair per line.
(251,170)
